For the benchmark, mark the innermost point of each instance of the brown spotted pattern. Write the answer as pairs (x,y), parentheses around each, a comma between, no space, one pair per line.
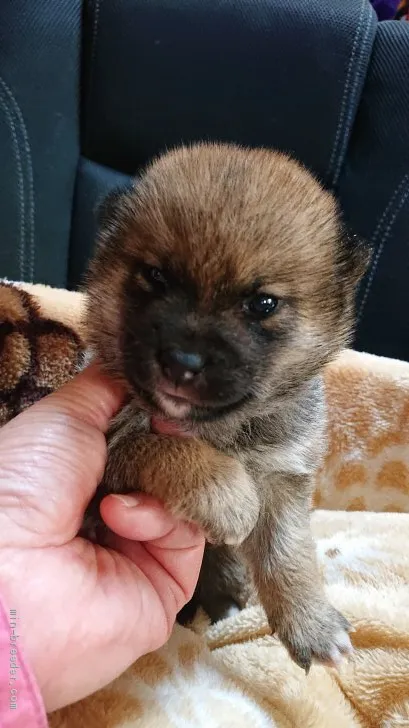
(367,466)
(37,353)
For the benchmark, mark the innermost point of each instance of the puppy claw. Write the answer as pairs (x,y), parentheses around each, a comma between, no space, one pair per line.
(342,649)
(344,643)
(338,652)
(232,611)
(322,638)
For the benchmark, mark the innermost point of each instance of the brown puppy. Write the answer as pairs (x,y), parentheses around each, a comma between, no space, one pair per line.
(222,285)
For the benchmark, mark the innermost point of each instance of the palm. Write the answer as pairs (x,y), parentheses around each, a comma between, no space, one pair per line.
(98,608)
(85,612)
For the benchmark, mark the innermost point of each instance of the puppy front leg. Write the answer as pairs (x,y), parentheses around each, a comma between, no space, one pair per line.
(281,554)
(195,481)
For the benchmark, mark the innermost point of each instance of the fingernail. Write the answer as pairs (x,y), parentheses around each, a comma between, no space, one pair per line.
(130,501)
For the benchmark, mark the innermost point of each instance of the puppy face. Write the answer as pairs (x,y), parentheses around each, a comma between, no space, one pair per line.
(222,280)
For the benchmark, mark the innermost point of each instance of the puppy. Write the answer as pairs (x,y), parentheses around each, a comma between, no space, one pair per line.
(222,284)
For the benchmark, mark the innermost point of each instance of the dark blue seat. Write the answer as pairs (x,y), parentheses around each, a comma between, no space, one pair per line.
(90,91)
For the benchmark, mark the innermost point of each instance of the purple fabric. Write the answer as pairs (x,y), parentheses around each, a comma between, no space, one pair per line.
(385,9)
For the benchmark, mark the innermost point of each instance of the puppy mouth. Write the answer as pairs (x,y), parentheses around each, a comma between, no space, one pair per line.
(186,410)
(168,402)
(176,406)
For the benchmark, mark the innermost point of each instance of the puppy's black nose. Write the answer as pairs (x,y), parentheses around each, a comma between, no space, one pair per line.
(180,366)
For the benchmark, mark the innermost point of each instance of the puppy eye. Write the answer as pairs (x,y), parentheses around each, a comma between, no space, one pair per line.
(154,276)
(261,306)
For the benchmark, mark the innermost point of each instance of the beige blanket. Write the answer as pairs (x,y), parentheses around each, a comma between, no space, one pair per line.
(234,674)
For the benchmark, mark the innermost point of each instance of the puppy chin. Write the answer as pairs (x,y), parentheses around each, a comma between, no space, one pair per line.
(176,409)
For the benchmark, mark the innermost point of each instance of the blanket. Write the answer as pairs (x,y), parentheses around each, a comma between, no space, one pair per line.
(234,673)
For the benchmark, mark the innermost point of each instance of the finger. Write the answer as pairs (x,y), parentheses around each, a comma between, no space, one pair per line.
(91,396)
(52,457)
(173,550)
(141,517)
(171,564)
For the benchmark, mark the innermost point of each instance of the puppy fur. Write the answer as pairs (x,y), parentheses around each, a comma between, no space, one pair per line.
(185,259)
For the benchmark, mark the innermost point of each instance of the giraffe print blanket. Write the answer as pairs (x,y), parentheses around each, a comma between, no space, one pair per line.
(234,674)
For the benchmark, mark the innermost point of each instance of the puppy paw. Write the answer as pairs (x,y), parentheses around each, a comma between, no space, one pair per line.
(319,635)
(228,507)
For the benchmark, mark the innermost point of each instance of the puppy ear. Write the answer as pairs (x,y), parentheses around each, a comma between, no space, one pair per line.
(107,209)
(358,257)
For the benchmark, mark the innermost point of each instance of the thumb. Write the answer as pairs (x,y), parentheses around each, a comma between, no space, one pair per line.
(90,397)
(52,457)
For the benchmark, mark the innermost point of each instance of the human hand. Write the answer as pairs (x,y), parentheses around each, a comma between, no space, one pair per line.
(85,612)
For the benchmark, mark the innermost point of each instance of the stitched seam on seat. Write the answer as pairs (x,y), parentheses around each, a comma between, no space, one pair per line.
(30,176)
(394,210)
(388,211)
(94,41)
(9,118)
(350,105)
(345,93)
(95,31)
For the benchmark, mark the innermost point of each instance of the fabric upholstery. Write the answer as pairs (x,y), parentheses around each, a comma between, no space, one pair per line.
(90,91)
